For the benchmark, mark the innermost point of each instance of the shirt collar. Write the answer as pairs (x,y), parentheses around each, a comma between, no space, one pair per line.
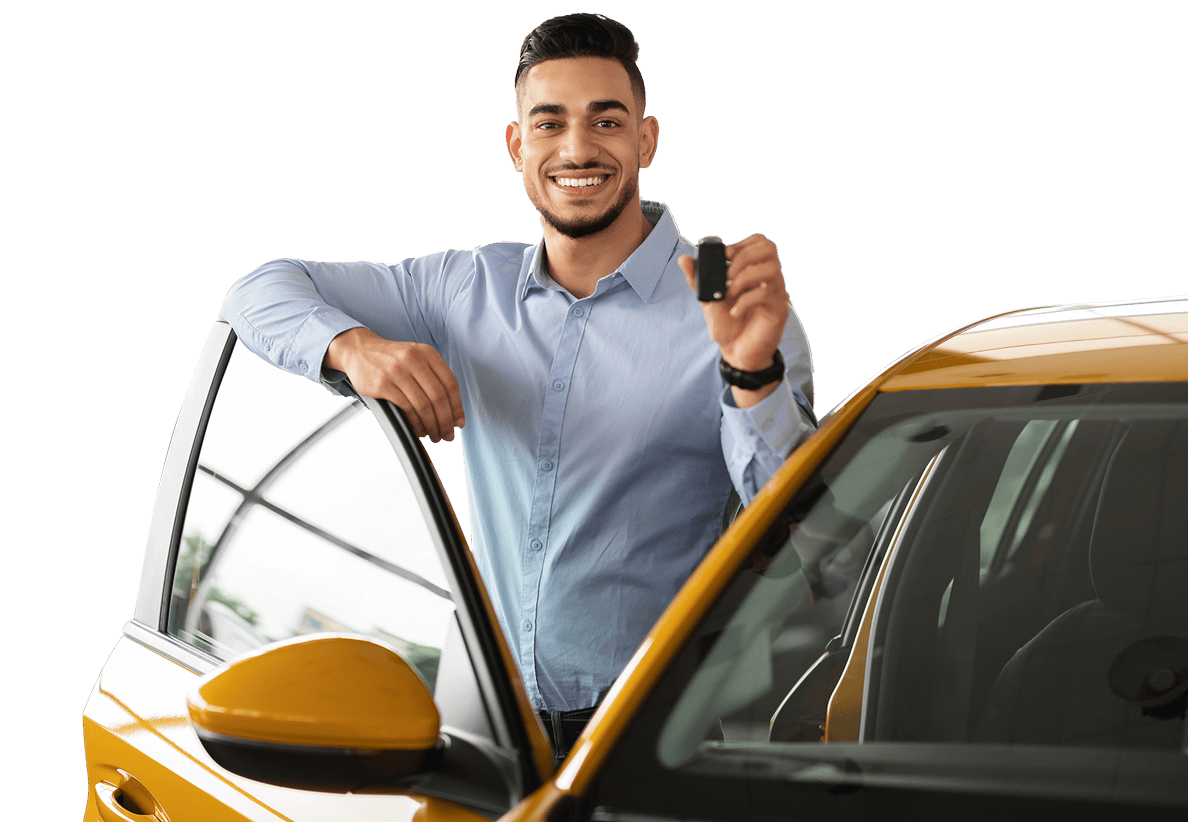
(642,270)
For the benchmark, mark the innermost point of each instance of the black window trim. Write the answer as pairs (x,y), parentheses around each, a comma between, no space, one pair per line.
(149,624)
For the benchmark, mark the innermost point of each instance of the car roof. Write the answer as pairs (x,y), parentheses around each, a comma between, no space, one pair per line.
(1109,343)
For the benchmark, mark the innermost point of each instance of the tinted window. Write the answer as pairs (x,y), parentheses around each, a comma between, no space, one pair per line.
(980,590)
(302,520)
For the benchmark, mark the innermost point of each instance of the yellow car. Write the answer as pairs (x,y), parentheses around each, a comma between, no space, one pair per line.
(965,597)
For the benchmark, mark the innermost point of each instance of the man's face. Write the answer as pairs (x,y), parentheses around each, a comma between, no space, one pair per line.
(580,142)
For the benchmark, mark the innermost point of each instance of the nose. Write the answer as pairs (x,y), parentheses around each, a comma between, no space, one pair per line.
(578,147)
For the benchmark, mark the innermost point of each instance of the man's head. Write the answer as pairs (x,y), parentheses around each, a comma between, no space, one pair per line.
(582,35)
(581,137)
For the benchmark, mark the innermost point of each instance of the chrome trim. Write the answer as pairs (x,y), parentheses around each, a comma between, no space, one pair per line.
(153,593)
(892,554)
(170,647)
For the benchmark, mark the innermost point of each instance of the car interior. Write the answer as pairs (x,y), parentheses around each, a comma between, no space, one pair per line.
(1033,592)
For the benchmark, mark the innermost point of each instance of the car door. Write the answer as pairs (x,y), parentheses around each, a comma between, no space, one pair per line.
(285,509)
(991,583)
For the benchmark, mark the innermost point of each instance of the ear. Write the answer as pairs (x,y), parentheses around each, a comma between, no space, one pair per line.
(513,145)
(649,135)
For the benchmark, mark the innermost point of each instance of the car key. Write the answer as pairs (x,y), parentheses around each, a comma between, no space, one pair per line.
(710,269)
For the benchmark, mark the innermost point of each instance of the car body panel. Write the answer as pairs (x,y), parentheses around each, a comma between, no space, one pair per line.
(690,604)
(1020,339)
(139,739)
(1132,343)
(1113,344)
(136,723)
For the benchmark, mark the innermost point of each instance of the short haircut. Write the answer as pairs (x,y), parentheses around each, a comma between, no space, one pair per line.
(583,35)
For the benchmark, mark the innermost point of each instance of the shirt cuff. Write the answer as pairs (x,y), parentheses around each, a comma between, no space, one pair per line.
(776,420)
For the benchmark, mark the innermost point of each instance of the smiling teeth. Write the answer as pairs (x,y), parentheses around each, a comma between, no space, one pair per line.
(579,182)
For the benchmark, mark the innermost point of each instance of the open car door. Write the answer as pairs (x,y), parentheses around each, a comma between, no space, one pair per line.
(286,511)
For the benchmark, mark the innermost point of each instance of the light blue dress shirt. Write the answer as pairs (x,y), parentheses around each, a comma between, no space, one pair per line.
(600,441)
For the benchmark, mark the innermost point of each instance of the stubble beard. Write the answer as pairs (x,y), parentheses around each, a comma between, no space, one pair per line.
(576,229)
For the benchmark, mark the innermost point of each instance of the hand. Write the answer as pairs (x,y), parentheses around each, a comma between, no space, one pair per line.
(747,325)
(412,376)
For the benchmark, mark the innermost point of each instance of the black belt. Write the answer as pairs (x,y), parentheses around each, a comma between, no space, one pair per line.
(564,727)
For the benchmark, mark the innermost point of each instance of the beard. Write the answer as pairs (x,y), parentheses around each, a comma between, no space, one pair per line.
(586,226)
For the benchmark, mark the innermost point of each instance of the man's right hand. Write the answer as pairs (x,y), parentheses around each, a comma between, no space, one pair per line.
(413,376)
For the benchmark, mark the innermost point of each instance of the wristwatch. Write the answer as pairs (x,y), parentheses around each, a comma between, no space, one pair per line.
(753,380)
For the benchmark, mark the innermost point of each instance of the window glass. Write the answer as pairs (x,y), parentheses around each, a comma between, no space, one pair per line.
(1000,570)
(301,520)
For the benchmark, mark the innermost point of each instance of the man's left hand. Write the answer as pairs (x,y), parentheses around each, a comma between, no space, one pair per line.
(747,325)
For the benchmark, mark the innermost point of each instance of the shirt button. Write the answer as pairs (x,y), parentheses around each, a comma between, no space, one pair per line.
(538,704)
(558,385)
(536,545)
(546,466)
(579,311)
(527,625)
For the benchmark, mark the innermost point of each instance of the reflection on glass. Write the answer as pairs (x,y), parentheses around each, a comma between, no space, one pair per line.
(997,569)
(301,520)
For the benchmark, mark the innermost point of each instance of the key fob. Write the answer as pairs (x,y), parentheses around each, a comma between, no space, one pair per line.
(710,270)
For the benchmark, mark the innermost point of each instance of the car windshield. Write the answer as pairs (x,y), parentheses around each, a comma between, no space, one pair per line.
(1004,569)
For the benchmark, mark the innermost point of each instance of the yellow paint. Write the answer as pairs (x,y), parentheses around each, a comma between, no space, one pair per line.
(135,722)
(1078,349)
(686,610)
(843,715)
(324,689)
(537,805)
(132,730)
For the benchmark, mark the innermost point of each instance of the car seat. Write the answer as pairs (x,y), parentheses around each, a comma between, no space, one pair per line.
(1113,671)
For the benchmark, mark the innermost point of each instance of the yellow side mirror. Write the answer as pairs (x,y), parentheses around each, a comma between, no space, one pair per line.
(324,712)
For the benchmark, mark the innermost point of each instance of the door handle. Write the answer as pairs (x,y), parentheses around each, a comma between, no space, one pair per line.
(127,801)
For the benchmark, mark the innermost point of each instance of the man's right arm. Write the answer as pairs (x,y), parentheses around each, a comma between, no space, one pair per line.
(364,321)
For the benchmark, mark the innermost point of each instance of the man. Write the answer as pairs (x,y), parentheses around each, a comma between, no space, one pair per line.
(600,434)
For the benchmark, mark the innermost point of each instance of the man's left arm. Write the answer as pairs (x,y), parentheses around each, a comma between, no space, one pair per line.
(760,426)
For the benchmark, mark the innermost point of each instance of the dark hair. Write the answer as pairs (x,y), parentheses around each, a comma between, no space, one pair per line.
(582,35)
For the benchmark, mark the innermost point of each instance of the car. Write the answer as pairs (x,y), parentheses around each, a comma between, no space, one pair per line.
(965,596)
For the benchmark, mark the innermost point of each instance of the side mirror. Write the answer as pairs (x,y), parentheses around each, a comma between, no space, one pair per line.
(323,712)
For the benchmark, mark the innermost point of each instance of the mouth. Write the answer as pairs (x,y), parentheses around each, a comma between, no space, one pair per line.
(589,183)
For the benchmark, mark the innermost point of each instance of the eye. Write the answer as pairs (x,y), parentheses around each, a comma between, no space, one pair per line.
(607,124)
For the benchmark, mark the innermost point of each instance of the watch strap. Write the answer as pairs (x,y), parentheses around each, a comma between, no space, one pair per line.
(753,380)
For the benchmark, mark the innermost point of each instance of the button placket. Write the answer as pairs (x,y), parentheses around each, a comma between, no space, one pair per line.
(547,461)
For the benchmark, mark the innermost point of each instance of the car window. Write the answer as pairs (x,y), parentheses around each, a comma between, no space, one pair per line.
(300,520)
(980,588)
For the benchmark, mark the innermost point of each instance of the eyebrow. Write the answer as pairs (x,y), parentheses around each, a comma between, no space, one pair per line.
(596,107)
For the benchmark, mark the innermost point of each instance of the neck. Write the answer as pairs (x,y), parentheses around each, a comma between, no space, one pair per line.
(578,264)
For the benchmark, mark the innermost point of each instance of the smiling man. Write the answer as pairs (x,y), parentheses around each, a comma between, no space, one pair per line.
(604,427)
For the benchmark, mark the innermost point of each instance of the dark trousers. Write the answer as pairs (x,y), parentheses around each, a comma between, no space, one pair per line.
(563,728)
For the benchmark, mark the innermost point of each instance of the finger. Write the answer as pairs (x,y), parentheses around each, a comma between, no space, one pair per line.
(431,400)
(760,297)
(753,266)
(446,407)
(755,249)
(453,391)
(752,242)
(766,276)
(398,398)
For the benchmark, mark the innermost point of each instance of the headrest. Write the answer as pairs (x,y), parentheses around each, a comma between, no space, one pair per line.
(1138,555)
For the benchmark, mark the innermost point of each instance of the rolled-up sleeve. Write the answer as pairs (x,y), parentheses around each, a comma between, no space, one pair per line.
(757,440)
(287,311)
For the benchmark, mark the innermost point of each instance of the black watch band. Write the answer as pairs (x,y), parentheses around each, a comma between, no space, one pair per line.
(753,380)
